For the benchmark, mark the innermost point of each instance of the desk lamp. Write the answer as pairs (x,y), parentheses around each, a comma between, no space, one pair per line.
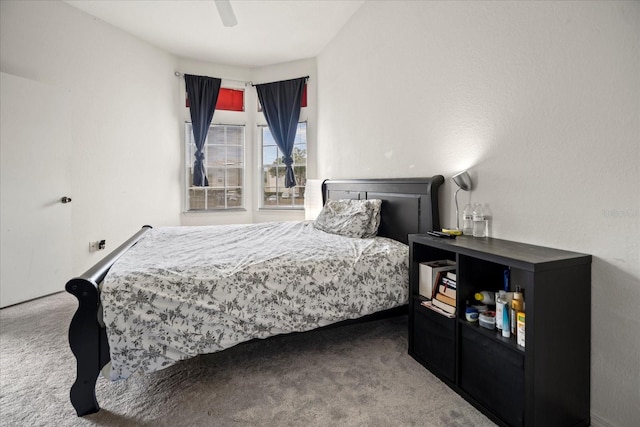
(463,181)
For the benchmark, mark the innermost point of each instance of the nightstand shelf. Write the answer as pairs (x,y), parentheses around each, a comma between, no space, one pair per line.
(544,383)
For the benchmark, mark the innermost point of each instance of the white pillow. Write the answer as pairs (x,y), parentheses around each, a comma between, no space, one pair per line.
(350,218)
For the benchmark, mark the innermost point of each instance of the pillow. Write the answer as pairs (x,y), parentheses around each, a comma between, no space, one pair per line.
(350,218)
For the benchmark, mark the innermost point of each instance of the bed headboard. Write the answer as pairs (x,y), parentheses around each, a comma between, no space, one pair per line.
(409,205)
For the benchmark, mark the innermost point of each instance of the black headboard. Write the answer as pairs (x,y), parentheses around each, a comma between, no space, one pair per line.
(409,205)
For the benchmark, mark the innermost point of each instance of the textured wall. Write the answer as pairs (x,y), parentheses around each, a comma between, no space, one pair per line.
(541,100)
(125,127)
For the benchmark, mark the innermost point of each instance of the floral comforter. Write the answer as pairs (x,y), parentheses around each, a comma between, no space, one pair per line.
(183,291)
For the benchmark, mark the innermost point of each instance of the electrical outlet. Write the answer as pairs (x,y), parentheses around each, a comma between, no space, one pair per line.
(98,245)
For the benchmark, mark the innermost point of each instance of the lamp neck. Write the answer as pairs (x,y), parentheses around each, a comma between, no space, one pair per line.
(457,215)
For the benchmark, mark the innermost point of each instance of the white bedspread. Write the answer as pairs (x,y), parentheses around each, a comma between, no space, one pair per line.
(183,291)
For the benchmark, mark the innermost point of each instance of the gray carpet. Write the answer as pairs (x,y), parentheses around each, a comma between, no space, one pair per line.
(358,375)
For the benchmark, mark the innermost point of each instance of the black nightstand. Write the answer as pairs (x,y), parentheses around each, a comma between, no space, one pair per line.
(545,383)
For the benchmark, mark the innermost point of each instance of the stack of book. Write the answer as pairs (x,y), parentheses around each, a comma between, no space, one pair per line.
(430,274)
(444,297)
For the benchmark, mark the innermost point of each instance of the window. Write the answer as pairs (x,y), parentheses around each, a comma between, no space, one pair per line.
(224,163)
(274,193)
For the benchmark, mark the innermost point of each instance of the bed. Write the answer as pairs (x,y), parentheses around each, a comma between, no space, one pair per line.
(152,308)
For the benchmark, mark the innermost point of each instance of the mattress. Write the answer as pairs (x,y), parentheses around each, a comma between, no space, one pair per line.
(184,291)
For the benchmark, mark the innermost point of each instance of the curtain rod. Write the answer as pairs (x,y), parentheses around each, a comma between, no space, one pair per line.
(246,83)
(178,74)
(305,77)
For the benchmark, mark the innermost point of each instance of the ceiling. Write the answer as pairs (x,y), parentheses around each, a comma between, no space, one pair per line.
(268,31)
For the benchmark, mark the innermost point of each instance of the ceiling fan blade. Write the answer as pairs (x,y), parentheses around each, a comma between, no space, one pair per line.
(226,13)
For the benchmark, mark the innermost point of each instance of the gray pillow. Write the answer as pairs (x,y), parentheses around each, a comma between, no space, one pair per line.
(350,218)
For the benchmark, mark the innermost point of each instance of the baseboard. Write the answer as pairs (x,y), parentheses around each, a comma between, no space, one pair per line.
(596,421)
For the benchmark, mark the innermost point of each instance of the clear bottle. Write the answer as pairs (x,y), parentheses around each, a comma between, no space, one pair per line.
(479,224)
(467,220)
(478,213)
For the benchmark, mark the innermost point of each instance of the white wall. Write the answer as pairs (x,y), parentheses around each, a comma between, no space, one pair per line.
(541,100)
(125,127)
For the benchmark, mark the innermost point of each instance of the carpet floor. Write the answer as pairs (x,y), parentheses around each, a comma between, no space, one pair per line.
(357,375)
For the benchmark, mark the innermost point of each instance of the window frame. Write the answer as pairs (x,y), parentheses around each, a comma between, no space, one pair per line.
(262,167)
(188,158)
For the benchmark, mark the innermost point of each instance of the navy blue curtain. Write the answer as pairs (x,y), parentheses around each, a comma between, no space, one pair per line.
(281,107)
(203,95)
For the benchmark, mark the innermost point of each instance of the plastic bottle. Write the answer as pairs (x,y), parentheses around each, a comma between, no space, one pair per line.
(506,328)
(479,225)
(478,214)
(504,310)
(517,305)
(521,329)
(467,220)
(485,297)
(501,302)
(471,314)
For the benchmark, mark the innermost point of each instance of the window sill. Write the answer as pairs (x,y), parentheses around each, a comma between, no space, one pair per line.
(212,211)
(281,208)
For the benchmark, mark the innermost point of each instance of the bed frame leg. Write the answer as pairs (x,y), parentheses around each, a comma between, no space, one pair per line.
(85,339)
(83,396)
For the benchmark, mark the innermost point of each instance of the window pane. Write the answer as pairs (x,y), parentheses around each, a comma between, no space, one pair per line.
(216,177)
(214,155)
(234,156)
(270,197)
(274,176)
(197,199)
(301,134)
(214,136)
(215,199)
(299,155)
(224,163)
(234,197)
(235,135)
(269,155)
(273,170)
(234,177)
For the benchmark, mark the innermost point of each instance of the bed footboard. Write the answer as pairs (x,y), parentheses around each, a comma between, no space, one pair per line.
(87,337)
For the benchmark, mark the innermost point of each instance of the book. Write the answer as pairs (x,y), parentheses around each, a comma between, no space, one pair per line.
(428,275)
(443,306)
(447,287)
(447,290)
(446,299)
(450,283)
(430,306)
(451,275)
